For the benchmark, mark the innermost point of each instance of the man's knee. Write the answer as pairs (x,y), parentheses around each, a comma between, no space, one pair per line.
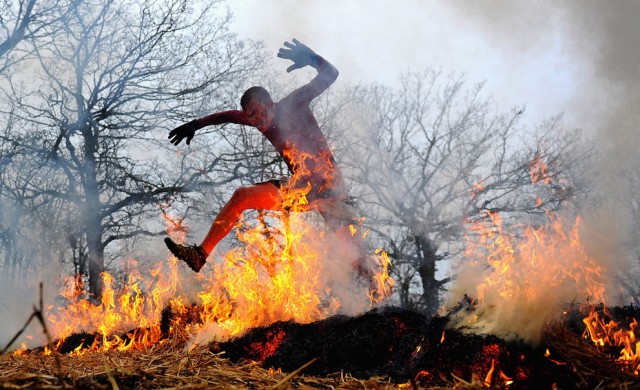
(241,193)
(257,196)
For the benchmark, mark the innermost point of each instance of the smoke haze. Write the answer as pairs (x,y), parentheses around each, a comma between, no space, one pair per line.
(573,57)
(600,38)
(578,58)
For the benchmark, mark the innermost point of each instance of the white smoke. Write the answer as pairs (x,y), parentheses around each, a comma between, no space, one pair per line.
(600,39)
(579,58)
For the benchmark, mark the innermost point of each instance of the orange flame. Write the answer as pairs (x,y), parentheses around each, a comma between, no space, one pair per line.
(539,171)
(519,275)
(478,188)
(288,267)
(610,333)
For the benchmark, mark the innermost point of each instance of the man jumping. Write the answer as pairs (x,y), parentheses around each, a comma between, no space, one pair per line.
(292,129)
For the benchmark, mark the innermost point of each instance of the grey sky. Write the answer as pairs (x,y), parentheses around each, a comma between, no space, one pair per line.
(572,57)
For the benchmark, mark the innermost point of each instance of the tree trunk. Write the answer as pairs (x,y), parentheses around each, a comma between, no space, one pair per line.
(91,216)
(427,253)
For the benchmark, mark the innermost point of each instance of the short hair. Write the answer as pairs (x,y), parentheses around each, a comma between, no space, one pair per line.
(258,93)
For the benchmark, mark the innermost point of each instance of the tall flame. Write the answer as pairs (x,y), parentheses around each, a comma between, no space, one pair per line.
(522,279)
(287,267)
(522,275)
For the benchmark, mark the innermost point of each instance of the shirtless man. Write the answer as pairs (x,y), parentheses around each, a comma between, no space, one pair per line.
(292,129)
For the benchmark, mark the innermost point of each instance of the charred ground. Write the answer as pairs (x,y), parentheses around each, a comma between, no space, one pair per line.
(396,345)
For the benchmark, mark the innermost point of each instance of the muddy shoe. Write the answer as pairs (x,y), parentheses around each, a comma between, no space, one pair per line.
(193,255)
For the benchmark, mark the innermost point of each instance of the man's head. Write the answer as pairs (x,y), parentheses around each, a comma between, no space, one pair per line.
(258,107)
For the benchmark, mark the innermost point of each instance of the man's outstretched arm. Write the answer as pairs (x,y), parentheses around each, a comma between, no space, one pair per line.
(302,55)
(188,130)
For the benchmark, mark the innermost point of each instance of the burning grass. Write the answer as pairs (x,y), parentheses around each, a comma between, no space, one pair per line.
(409,348)
(271,306)
(383,348)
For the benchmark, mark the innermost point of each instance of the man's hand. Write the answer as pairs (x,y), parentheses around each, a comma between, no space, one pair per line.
(187,130)
(299,53)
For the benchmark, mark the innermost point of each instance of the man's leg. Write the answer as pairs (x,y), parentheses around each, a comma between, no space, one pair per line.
(341,217)
(264,196)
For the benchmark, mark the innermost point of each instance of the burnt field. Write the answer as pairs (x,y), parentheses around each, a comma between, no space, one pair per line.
(386,347)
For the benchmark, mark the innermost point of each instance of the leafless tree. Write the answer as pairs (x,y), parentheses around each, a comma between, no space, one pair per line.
(107,86)
(429,155)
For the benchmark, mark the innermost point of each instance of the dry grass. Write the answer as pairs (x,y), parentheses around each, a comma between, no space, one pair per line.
(594,368)
(170,365)
(163,366)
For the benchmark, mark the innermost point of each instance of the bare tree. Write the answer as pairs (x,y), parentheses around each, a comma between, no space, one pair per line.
(430,155)
(21,22)
(109,85)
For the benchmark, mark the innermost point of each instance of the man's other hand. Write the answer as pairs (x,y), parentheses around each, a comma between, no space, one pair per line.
(187,130)
(299,53)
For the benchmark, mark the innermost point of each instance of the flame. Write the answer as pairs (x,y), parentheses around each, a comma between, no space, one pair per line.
(539,171)
(22,350)
(268,348)
(506,379)
(518,275)
(477,189)
(522,274)
(606,333)
(488,378)
(277,275)
(287,267)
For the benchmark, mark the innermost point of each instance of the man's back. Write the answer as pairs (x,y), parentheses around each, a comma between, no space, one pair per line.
(296,135)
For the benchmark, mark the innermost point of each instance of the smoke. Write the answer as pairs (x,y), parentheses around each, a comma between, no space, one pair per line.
(579,58)
(599,38)
(18,299)
(588,49)
(605,35)
(16,305)
(575,57)
(600,41)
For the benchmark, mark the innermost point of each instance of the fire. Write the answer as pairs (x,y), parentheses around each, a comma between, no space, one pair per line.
(605,333)
(279,284)
(277,274)
(539,171)
(287,267)
(519,275)
(128,312)
(478,188)
(269,348)
(523,275)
